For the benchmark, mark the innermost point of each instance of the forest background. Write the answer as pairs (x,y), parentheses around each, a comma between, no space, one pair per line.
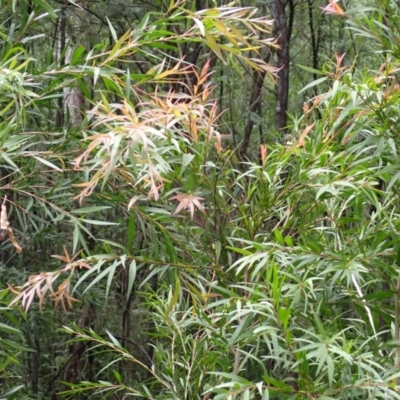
(199,199)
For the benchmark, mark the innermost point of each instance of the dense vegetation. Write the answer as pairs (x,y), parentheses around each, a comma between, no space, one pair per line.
(199,200)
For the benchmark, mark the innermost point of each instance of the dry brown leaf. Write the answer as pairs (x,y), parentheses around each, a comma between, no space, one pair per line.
(301,142)
(5,228)
(333,8)
(188,202)
(13,241)
(263,153)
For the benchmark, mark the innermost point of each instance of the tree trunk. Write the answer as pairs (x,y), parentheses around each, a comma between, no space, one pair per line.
(73,98)
(283,31)
(72,104)
(255,101)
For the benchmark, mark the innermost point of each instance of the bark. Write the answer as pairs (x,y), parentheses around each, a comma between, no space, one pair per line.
(34,361)
(35,365)
(78,366)
(255,101)
(73,98)
(315,36)
(283,30)
(71,103)
(60,37)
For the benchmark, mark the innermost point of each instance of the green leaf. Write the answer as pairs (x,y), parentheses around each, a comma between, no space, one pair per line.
(9,329)
(210,41)
(131,233)
(111,275)
(114,340)
(92,209)
(112,30)
(326,398)
(47,163)
(117,376)
(101,223)
(240,251)
(241,329)
(200,26)
(12,390)
(309,69)
(174,298)
(312,84)
(77,54)
(277,384)
(46,7)
(279,237)
(265,395)
(110,271)
(284,314)
(131,279)
(75,238)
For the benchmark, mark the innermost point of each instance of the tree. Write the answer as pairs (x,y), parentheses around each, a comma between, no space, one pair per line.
(178,271)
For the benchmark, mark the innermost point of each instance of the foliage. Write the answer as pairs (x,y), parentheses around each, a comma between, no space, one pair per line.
(185,273)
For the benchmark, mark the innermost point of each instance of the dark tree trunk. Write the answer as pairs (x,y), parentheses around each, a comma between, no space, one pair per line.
(60,37)
(315,34)
(255,101)
(283,31)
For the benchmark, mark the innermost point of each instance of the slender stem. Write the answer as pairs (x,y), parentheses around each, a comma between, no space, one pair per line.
(237,362)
